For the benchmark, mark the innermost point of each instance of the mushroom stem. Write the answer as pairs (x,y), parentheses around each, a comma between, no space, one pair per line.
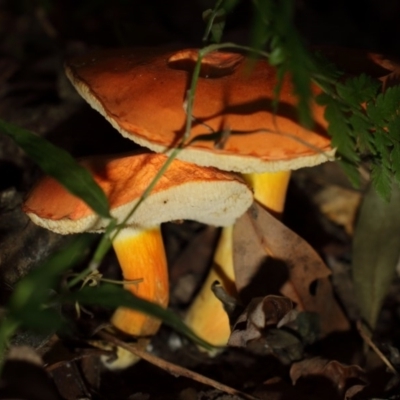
(141,256)
(270,189)
(206,316)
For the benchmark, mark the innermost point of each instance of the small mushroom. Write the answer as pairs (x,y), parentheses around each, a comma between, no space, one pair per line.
(184,191)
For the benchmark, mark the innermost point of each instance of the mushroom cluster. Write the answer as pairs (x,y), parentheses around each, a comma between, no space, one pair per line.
(142,92)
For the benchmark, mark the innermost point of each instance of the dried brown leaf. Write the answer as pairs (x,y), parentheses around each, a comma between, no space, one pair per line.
(269,258)
(259,314)
(336,372)
(213,65)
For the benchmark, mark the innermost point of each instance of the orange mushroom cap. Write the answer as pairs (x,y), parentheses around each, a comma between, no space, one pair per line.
(142,92)
(184,191)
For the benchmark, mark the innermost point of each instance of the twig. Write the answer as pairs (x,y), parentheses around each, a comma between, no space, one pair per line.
(174,369)
(374,347)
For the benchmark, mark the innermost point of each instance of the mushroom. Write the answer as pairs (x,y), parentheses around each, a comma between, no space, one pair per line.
(130,87)
(184,191)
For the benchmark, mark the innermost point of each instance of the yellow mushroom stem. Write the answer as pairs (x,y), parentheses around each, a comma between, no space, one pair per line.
(270,189)
(141,256)
(206,316)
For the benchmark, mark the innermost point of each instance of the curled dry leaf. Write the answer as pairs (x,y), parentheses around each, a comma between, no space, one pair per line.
(258,315)
(229,302)
(213,65)
(269,258)
(334,371)
(270,326)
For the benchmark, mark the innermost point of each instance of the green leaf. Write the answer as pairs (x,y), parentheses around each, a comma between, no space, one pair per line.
(273,25)
(112,296)
(215,19)
(375,114)
(395,158)
(280,75)
(351,171)
(215,24)
(260,27)
(381,180)
(42,320)
(33,290)
(376,251)
(323,99)
(25,307)
(385,107)
(389,102)
(61,166)
(361,128)
(394,129)
(383,144)
(358,90)
(301,79)
(329,69)
(277,56)
(340,131)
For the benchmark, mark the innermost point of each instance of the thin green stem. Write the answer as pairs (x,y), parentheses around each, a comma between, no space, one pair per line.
(148,190)
(211,20)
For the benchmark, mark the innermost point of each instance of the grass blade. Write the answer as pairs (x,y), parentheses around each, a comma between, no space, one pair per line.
(60,165)
(112,296)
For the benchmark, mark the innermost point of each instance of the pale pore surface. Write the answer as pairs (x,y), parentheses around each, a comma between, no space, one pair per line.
(184,191)
(142,97)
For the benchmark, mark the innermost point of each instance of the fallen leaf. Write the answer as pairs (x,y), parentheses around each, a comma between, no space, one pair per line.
(229,302)
(283,345)
(376,251)
(269,258)
(270,326)
(338,373)
(258,315)
(213,65)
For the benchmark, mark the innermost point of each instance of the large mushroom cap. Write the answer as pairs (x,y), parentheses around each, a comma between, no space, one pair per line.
(142,92)
(184,191)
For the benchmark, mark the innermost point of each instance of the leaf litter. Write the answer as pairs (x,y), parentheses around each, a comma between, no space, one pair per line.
(269,258)
(337,373)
